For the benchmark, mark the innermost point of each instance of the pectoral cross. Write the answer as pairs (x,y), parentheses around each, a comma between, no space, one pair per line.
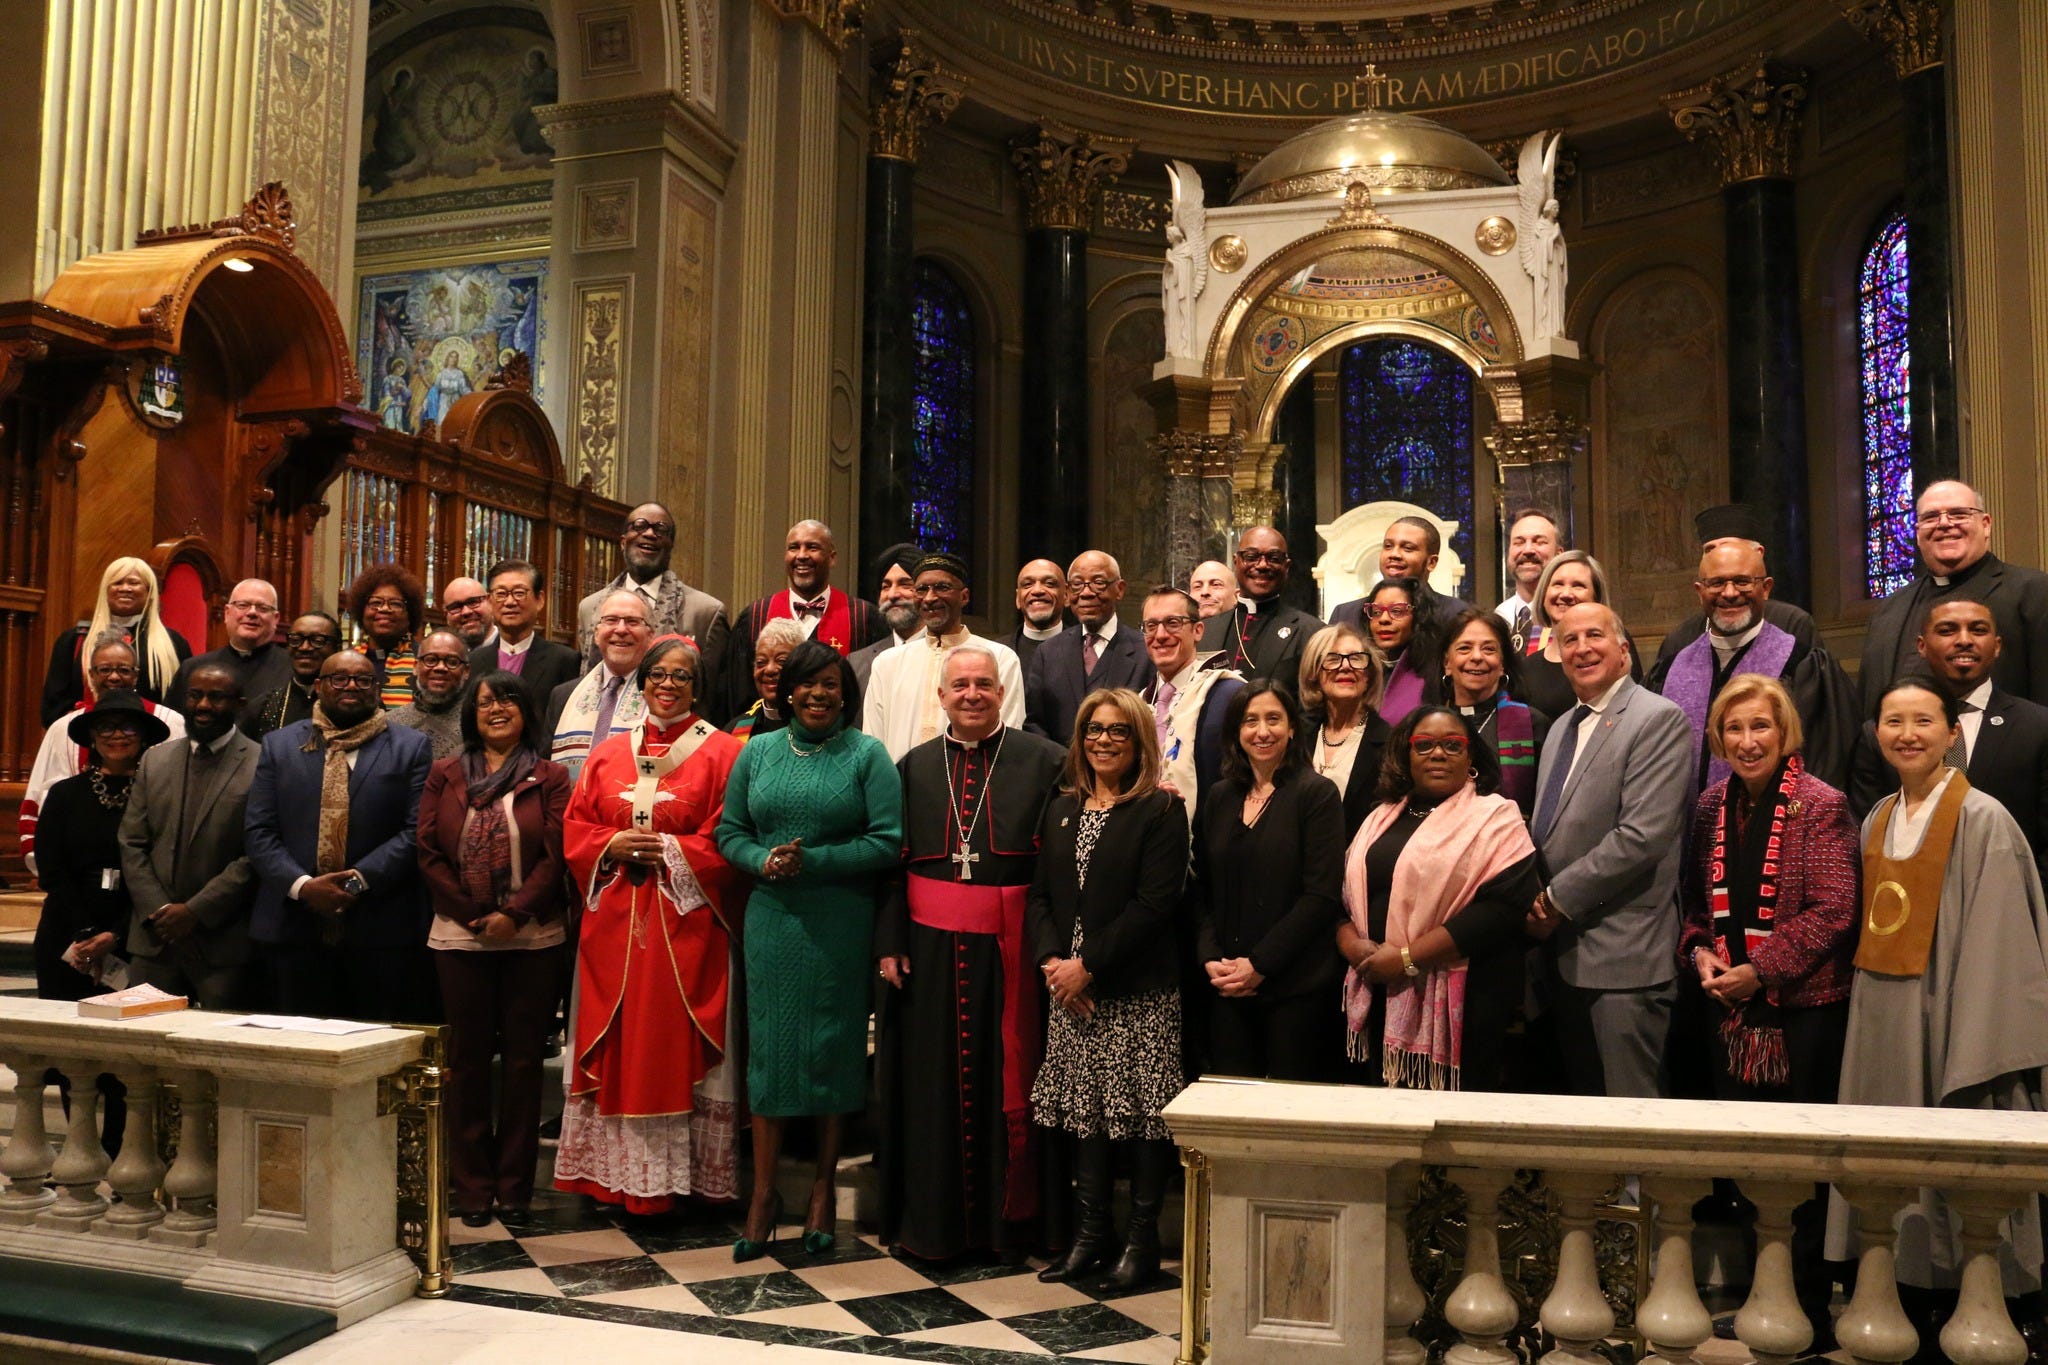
(961,859)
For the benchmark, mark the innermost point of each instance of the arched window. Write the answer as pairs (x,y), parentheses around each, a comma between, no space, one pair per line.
(943,403)
(1885,364)
(1407,424)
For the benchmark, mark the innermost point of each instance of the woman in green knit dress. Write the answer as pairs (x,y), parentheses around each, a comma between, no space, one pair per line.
(816,814)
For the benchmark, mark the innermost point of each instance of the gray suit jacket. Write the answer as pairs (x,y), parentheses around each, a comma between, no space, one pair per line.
(207,869)
(1617,841)
(679,608)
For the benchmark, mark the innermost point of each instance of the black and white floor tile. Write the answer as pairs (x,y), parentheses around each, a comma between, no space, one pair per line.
(570,1259)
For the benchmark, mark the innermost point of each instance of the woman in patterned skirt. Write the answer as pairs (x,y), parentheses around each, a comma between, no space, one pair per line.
(815,812)
(1101,922)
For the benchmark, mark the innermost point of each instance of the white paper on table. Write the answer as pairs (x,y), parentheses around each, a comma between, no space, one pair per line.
(299,1023)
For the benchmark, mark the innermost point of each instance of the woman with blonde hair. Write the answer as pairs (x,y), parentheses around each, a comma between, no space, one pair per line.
(1343,677)
(127,602)
(1101,925)
(1570,578)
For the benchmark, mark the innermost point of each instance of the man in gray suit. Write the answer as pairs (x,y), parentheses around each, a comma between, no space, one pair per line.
(672,605)
(181,849)
(1610,823)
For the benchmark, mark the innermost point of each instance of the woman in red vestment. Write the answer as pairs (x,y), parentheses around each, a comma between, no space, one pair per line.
(649,1114)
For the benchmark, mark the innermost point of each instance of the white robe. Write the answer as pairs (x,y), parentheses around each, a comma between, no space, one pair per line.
(902,704)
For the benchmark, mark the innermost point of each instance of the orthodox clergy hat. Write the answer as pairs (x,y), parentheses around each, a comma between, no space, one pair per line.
(951,564)
(117,705)
(1731,521)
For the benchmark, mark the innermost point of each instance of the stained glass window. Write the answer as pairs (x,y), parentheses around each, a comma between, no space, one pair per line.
(1407,424)
(1886,365)
(943,403)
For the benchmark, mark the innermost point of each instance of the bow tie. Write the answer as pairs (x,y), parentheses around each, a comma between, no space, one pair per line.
(816,608)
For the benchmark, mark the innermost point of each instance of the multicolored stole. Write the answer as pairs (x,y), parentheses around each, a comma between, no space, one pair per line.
(1901,895)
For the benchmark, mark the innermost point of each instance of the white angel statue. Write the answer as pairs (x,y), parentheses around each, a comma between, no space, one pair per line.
(1187,258)
(1541,238)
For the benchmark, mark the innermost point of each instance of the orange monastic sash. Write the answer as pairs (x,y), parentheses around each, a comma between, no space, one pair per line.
(1901,896)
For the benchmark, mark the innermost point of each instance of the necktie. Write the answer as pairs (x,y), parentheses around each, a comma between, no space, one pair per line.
(1160,706)
(1522,623)
(601,730)
(1089,644)
(1958,755)
(1560,768)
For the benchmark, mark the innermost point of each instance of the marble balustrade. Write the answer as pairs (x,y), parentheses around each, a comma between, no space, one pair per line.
(283,1184)
(1309,1191)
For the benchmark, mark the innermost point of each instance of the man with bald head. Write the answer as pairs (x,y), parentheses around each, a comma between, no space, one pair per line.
(1098,652)
(1214,588)
(1041,608)
(1261,637)
(823,612)
(1613,796)
(1952,530)
(467,605)
(252,653)
(673,606)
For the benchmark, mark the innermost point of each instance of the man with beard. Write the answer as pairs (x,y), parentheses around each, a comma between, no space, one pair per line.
(1261,637)
(312,637)
(437,682)
(1410,549)
(1214,588)
(1736,636)
(467,605)
(902,705)
(895,603)
(1041,608)
(330,832)
(1096,653)
(182,858)
(809,553)
(252,653)
(1533,542)
(962,1025)
(673,606)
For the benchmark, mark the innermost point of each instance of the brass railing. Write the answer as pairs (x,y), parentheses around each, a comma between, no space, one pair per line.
(1194,1261)
(413,1093)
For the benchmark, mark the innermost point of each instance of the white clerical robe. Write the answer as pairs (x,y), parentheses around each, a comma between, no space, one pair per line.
(902,706)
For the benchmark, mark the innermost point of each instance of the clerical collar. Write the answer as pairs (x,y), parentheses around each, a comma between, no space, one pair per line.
(506,646)
(1962,575)
(960,743)
(242,653)
(1032,632)
(1728,646)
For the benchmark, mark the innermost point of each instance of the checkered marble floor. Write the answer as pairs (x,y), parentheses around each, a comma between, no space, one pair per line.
(571,1259)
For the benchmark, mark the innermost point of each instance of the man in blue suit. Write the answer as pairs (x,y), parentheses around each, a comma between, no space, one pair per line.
(339,914)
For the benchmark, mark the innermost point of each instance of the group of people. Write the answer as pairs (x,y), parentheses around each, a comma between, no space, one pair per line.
(1422,845)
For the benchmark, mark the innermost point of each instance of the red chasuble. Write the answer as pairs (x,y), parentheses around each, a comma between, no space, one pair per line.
(653,962)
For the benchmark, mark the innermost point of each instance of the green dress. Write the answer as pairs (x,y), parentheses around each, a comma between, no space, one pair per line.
(809,942)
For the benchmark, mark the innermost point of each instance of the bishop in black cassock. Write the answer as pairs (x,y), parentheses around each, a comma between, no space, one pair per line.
(961,1037)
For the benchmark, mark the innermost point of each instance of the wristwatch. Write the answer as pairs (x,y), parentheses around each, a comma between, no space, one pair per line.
(1408,964)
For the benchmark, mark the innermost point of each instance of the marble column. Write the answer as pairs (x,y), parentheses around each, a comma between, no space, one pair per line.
(1294,478)
(912,92)
(1063,174)
(1911,33)
(1749,120)
(1198,468)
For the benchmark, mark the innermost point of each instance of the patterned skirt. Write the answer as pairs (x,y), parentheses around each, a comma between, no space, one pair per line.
(1110,1074)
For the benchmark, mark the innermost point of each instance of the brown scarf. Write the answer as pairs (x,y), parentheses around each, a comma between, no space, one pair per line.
(1901,895)
(330,848)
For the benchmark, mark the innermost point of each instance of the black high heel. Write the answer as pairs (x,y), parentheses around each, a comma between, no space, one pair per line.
(747,1249)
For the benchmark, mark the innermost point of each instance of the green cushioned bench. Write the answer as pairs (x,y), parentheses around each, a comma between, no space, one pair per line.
(144,1315)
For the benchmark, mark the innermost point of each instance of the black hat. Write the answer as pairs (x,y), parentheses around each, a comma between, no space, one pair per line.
(1730,521)
(118,702)
(951,564)
(902,555)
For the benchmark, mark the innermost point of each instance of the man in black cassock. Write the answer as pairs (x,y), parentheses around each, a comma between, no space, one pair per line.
(962,1026)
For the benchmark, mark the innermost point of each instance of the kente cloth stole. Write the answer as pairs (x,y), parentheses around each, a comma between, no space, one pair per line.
(1901,896)
(1743,873)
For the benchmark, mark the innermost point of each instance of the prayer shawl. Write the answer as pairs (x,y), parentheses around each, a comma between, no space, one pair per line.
(1690,683)
(1465,842)
(572,740)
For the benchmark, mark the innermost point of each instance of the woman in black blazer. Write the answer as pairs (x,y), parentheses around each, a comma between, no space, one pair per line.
(1270,854)
(1342,679)
(1113,860)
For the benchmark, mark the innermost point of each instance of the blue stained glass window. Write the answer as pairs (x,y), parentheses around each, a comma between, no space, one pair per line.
(1885,362)
(943,407)
(1407,424)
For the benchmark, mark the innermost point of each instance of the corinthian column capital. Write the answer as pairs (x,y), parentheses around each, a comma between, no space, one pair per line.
(911,93)
(1748,119)
(832,20)
(1909,29)
(1064,172)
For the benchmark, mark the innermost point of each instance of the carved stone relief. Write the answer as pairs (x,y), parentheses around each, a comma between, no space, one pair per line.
(302,133)
(606,215)
(603,309)
(686,346)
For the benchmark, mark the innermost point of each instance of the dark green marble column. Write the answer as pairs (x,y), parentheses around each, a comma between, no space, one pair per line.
(1933,397)
(1767,376)
(1052,493)
(887,357)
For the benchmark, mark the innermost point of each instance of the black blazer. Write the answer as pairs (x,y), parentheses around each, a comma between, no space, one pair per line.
(1055,684)
(2018,598)
(1275,648)
(1365,773)
(1282,907)
(549,664)
(1137,873)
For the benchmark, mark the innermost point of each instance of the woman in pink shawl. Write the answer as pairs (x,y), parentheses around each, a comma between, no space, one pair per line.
(1436,885)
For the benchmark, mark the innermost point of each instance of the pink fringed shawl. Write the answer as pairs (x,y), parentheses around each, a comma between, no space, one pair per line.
(1468,840)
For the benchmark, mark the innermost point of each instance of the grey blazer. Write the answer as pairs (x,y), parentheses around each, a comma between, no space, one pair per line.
(1617,841)
(211,873)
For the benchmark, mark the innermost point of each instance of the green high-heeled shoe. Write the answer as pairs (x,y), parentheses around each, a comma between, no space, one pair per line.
(818,1241)
(747,1249)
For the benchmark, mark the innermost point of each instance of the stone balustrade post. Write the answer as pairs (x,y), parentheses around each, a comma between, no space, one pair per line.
(82,1164)
(1671,1317)
(1406,1302)
(190,1182)
(27,1158)
(1480,1307)
(1874,1328)
(1575,1311)
(135,1174)
(1981,1330)
(1771,1322)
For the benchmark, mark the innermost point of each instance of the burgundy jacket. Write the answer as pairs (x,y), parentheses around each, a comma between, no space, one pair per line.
(1808,958)
(538,804)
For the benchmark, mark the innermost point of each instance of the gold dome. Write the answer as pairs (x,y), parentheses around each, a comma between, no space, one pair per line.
(1391,153)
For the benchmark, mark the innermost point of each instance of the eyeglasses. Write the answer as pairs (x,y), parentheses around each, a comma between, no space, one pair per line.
(641,527)
(496,705)
(446,662)
(1166,625)
(349,682)
(297,641)
(661,677)
(624,622)
(510,594)
(1097,585)
(253,608)
(1424,745)
(384,604)
(1119,732)
(1278,558)
(113,670)
(1741,582)
(1392,611)
(466,604)
(1947,516)
(1345,663)
(117,727)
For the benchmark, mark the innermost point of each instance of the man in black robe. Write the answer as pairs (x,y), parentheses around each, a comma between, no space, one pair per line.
(963,1021)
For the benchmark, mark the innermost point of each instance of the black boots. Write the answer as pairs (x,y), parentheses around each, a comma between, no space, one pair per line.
(1140,1262)
(1094,1237)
